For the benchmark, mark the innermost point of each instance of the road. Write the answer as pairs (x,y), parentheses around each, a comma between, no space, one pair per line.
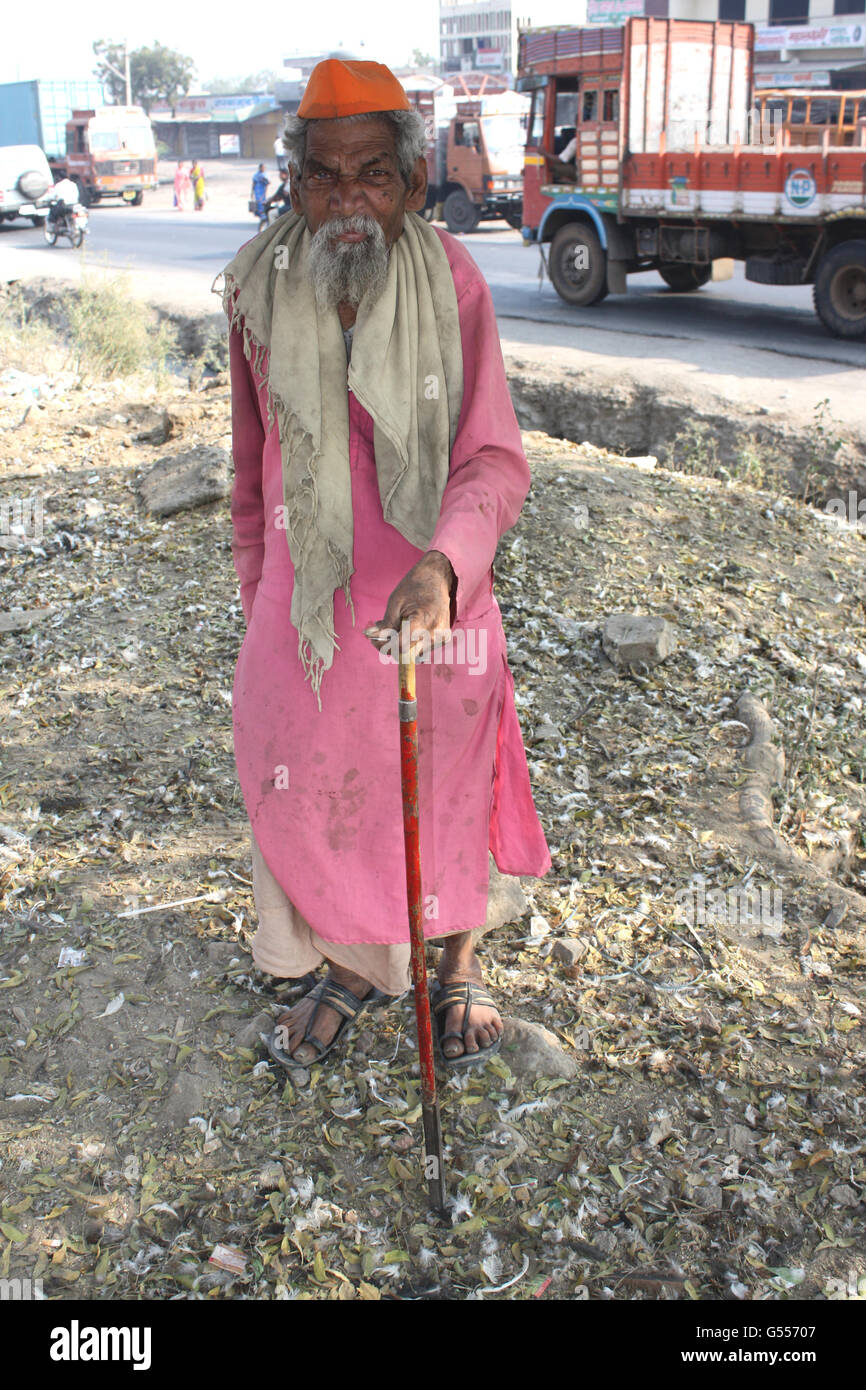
(731,329)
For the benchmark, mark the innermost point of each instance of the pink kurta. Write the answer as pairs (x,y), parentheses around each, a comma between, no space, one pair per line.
(322,789)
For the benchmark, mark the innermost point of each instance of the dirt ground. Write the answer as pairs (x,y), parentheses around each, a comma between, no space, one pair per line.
(694,1131)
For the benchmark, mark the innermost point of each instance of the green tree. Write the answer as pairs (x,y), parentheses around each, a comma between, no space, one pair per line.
(256,82)
(420,59)
(156,73)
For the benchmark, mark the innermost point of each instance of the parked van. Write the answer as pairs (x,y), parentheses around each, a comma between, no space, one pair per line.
(25,181)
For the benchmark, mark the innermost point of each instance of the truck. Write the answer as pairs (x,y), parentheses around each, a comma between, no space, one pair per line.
(109,151)
(668,169)
(474,153)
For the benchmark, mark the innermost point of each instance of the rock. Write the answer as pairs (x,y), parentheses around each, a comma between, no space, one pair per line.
(19,619)
(741,1139)
(505,902)
(270,1176)
(222,952)
(629,639)
(157,428)
(186,480)
(532,1051)
(249,1034)
(845,1196)
(569,952)
(185,1099)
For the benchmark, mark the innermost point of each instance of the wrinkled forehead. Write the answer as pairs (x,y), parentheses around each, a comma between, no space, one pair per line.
(359,138)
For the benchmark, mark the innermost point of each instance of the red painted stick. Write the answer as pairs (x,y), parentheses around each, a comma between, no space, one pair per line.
(433,1169)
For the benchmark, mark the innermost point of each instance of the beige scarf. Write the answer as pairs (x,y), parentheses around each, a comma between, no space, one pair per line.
(406,369)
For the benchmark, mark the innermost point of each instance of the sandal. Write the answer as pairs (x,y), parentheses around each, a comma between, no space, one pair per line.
(336,997)
(443,998)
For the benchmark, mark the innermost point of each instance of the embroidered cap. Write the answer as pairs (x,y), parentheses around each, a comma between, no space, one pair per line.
(352,88)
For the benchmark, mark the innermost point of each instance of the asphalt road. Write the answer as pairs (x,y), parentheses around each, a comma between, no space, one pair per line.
(174,257)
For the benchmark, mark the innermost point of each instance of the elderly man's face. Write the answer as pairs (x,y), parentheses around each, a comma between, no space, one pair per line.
(351,169)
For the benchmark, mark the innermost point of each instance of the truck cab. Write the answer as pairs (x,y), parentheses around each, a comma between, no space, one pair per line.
(110,152)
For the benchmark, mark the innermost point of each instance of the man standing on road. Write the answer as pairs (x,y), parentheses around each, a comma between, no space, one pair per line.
(374,440)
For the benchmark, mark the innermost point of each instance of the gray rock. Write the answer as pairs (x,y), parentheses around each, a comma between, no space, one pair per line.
(741,1139)
(271,1176)
(568,951)
(157,427)
(249,1032)
(629,639)
(506,902)
(186,1098)
(186,480)
(532,1051)
(845,1196)
(19,619)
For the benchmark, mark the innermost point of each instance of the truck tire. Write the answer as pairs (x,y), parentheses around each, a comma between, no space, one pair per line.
(461,214)
(578,265)
(684,278)
(137,201)
(840,290)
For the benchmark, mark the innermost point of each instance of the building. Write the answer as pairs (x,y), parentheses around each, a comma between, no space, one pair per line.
(798,43)
(209,127)
(481,35)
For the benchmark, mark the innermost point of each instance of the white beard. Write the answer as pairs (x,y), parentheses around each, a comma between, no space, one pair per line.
(347,272)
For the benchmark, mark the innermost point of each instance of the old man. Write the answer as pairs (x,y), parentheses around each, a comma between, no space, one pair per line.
(377,463)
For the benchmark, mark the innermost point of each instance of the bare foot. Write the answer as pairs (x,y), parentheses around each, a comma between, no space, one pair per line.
(485,1023)
(292,1024)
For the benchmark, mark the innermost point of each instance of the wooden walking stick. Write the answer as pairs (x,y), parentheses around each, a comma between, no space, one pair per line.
(433,1169)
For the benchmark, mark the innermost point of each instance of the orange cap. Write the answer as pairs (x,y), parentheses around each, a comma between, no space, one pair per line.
(337,89)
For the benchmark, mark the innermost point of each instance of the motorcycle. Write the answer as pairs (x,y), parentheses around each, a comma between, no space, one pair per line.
(70,222)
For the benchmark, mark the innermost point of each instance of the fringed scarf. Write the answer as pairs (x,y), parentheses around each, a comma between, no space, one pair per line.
(406,370)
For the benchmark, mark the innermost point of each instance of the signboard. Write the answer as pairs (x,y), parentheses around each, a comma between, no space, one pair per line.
(489,58)
(765,80)
(776,36)
(800,188)
(612,11)
(230,144)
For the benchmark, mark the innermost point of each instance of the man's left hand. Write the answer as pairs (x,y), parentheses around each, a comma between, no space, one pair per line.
(423,599)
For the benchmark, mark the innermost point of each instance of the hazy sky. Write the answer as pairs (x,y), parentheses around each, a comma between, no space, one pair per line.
(50,39)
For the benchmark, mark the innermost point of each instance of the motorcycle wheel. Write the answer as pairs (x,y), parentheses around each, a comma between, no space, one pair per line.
(50,233)
(77,237)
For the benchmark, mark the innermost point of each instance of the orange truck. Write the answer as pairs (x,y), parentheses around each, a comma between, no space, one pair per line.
(644,153)
(109,151)
(474,155)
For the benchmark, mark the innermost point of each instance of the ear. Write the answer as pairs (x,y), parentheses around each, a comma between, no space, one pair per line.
(293,190)
(417,194)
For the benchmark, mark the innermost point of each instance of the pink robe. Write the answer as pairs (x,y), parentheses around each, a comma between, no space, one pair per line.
(322,790)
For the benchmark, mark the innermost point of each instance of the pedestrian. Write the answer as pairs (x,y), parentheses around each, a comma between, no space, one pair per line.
(196,175)
(281,196)
(280,154)
(259,195)
(182,188)
(374,442)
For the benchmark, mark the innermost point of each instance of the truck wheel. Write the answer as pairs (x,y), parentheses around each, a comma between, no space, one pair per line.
(683,278)
(578,265)
(461,214)
(840,290)
(137,201)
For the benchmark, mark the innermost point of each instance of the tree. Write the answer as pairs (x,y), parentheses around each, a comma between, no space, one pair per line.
(420,59)
(256,82)
(156,73)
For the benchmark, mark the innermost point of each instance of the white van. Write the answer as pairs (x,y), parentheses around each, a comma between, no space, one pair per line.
(25,181)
